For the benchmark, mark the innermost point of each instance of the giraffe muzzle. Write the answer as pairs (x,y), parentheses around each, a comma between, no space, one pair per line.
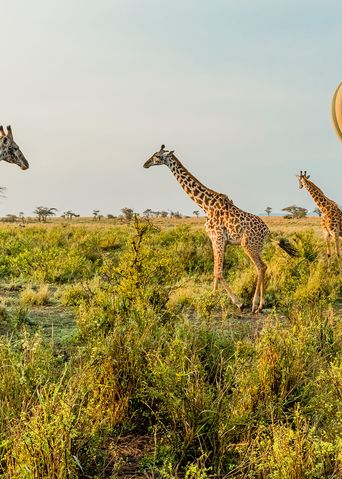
(25,165)
(147,164)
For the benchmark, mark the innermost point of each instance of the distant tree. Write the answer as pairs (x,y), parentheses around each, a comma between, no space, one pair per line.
(148,213)
(175,214)
(43,212)
(317,211)
(127,213)
(21,216)
(110,216)
(268,210)
(295,212)
(96,214)
(196,213)
(69,215)
(164,214)
(10,218)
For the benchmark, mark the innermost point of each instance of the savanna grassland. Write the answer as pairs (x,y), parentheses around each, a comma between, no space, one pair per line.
(118,360)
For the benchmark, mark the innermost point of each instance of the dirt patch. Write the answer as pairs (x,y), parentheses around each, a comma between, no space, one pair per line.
(127,452)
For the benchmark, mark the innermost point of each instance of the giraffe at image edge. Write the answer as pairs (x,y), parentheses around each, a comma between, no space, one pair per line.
(226,224)
(10,151)
(331,214)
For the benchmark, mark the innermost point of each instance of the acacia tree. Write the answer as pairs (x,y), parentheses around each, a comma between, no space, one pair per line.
(96,214)
(11,218)
(147,213)
(70,215)
(43,212)
(175,214)
(127,213)
(196,213)
(268,210)
(21,216)
(295,212)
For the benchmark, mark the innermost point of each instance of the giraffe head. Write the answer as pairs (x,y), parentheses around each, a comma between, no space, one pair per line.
(161,157)
(302,177)
(10,151)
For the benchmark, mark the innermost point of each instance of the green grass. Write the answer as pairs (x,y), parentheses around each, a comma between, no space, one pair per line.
(117,358)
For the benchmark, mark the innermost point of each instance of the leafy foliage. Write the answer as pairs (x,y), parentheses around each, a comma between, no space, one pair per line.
(157,354)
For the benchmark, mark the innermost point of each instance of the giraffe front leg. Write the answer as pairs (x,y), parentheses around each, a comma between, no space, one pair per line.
(218,244)
(235,300)
(337,244)
(326,236)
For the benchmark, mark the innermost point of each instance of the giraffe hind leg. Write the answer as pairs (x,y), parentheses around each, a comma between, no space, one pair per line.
(337,244)
(258,298)
(326,236)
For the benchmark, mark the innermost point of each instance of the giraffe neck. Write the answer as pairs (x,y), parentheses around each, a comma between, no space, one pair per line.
(323,203)
(204,197)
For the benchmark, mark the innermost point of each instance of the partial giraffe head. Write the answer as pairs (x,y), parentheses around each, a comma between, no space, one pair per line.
(302,177)
(161,157)
(10,151)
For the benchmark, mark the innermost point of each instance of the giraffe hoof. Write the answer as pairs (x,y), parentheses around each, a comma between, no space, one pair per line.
(241,307)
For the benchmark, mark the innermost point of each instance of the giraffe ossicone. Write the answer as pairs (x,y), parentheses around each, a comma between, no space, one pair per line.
(226,224)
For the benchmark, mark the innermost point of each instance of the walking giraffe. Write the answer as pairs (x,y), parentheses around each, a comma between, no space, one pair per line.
(331,214)
(226,223)
(10,151)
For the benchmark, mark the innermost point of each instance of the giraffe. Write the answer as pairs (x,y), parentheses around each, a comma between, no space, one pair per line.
(226,224)
(10,151)
(331,214)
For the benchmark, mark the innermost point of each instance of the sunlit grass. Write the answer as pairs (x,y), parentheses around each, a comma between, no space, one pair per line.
(113,331)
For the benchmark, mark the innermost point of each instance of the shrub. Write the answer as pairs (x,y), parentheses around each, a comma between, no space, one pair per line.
(33,297)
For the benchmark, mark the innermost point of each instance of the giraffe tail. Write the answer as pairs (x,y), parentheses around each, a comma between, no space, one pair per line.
(288,247)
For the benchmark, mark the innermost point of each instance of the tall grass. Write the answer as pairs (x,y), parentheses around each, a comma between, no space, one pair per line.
(158,354)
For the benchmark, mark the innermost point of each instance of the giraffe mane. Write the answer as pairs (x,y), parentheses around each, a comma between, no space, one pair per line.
(320,191)
(208,189)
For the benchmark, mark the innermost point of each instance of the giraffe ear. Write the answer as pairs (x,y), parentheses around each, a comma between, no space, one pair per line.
(171,152)
(308,176)
(2,131)
(9,132)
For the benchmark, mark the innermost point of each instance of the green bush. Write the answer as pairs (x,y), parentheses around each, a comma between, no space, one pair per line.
(159,355)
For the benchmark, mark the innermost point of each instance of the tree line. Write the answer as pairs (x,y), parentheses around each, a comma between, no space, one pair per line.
(42,214)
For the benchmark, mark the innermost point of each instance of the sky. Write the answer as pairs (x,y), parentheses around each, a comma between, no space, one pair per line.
(241,90)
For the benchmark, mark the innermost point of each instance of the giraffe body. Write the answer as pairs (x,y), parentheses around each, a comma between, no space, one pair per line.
(331,214)
(226,224)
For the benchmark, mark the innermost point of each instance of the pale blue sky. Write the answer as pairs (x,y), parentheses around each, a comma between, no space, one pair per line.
(240,89)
